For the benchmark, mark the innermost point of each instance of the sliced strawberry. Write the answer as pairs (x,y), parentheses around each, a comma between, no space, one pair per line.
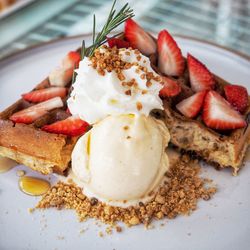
(170,60)
(119,43)
(72,126)
(68,111)
(170,88)
(237,96)
(200,77)
(219,114)
(191,106)
(32,113)
(60,77)
(42,95)
(139,38)
(71,60)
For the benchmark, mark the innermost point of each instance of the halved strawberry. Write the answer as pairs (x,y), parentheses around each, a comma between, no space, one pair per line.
(68,111)
(71,60)
(170,60)
(200,77)
(219,114)
(60,77)
(191,106)
(42,95)
(32,113)
(237,96)
(171,88)
(119,43)
(139,38)
(72,126)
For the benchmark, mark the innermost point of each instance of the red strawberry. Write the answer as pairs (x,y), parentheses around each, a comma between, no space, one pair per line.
(170,88)
(170,60)
(60,77)
(237,96)
(68,111)
(71,60)
(191,106)
(200,77)
(119,43)
(32,113)
(219,114)
(42,95)
(139,38)
(72,126)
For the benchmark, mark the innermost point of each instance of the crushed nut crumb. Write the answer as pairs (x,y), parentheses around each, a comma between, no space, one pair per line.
(118,229)
(179,196)
(128,92)
(139,106)
(20,173)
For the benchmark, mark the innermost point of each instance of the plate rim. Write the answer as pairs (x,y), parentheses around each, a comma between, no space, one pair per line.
(54,41)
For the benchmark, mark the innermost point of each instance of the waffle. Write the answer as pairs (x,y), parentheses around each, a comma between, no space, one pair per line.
(192,136)
(47,153)
(28,145)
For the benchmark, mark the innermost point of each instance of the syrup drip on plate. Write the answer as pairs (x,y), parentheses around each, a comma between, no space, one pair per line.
(33,186)
(6,164)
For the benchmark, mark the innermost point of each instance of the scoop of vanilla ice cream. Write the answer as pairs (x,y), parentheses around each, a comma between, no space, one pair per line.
(95,96)
(122,158)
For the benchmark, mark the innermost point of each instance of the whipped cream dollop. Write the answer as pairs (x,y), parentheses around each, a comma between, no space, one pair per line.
(100,90)
(122,160)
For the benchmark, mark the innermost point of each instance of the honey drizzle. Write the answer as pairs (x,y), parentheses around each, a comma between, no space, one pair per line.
(33,186)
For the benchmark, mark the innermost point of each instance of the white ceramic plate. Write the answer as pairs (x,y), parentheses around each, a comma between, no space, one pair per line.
(221,223)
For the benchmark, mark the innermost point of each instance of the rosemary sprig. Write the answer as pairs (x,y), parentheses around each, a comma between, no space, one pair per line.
(113,21)
(74,75)
(83,50)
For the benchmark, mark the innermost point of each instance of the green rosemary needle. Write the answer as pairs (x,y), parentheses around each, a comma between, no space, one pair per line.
(113,21)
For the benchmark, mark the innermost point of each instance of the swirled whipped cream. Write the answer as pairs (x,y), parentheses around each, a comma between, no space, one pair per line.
(113,82)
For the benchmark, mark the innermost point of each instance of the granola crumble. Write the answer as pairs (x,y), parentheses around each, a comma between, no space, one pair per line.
(178,196)
(107,59)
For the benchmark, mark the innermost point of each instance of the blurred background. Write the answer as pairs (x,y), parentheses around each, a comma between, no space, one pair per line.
(29,22)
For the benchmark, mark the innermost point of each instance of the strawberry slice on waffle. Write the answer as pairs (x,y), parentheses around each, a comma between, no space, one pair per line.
(32,113)
(237,96)
(170,60)
(191,106)
(139,38)
(72,126)
(200,77)
(119,43)
(170,88)
(219,114)
(42,95)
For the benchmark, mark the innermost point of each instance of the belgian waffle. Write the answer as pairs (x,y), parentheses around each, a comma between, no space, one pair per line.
(48,152)
(220,149)
(194,137)
(28,145)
